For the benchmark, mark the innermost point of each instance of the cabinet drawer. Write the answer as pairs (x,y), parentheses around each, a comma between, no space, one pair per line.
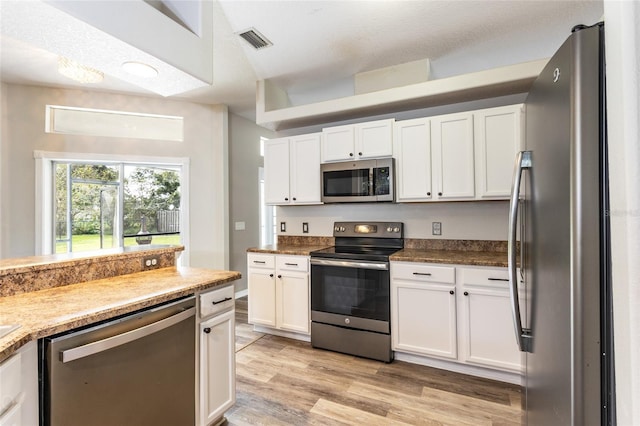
(215,301)
(420,272)
(292,263)
(10,381)
(490,277)
(261,261)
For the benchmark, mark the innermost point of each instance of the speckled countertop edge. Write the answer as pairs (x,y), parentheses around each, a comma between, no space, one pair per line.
(296,250)
(55,310)
(455,257)
(52,261)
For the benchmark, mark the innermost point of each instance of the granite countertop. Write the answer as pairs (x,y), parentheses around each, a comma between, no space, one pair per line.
(53,310)
(456,257)
(298,250)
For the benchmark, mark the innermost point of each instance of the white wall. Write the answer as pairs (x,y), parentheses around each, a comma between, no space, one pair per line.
(205,144)
(622,31)
(485,220)
(244,202)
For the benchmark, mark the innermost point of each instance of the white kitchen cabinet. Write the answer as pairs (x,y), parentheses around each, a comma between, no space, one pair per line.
(279,295)
(261,284)
(217,363)
(19,387)
(360,141)
(423,309)
(412,152)
(498,138)
(457,313)
(292,170)
(453,156)
(487,332)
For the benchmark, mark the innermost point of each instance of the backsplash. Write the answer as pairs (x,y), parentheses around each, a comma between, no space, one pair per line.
(41,272)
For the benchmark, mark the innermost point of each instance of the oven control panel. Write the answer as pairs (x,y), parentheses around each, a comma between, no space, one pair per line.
(368,229)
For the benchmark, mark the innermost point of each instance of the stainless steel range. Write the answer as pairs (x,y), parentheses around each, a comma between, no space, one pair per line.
(350,289)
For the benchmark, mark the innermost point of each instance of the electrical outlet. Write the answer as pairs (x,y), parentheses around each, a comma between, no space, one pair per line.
(150,262)
(283,226)
(305,227)
(436,228)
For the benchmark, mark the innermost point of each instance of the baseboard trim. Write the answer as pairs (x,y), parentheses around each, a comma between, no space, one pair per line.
(281,333)
(242,293)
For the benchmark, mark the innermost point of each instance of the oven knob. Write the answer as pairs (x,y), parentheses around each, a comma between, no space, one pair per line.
(342,229)
(337,229)
(389,229)
(347,321)
(396,229)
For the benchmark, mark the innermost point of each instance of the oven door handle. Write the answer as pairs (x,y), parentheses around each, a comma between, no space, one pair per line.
(362,264)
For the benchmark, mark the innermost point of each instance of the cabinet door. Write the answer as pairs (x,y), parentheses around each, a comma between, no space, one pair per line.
(337,143)
(412,151)
(374,139)
(276,171)
(424,318)
(453,159)
(217,367)
(262,297)
(292,292)
(305,169)
(498,138)
(486,333)
(488,329)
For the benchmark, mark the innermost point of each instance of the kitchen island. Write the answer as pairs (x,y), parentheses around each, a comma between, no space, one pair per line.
(47,295)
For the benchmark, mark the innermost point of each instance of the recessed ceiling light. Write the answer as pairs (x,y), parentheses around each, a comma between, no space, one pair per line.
(139,69)
(78,72)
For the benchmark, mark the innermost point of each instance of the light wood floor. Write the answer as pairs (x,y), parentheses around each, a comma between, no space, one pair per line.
(286,382)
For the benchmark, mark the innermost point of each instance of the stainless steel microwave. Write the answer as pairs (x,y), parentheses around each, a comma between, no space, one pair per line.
(357,181)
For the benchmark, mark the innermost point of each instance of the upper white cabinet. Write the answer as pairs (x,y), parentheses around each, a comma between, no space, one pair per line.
(465,156)
(292,170)
(498,138)
(412,151)
(453,156)
(360,141)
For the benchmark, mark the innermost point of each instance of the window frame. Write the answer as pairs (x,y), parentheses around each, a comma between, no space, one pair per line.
(45,189)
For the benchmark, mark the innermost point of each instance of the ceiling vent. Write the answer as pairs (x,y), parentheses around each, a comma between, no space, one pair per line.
(255,39)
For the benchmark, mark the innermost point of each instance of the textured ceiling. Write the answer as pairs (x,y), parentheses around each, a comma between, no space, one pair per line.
(319,45)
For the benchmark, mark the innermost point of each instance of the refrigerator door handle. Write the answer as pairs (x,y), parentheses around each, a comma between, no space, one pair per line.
(523,337)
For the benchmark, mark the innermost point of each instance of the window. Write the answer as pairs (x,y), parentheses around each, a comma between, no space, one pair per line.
(105,205)
(109,212)
(268,230)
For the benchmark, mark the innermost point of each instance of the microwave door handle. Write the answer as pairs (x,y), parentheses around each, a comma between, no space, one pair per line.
(523,337)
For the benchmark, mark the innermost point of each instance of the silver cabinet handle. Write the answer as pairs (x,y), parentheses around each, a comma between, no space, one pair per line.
(262,262)
(120,339)
(523,337)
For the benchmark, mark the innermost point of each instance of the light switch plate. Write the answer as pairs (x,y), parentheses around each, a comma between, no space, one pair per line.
(436,228)
(240,226)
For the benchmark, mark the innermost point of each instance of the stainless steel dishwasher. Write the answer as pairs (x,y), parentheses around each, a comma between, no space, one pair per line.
(136,370)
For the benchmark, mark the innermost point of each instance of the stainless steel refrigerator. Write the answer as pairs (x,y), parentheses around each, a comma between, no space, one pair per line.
(559,212)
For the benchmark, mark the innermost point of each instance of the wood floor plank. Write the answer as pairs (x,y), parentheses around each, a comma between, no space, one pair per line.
(350,415)
(280,381)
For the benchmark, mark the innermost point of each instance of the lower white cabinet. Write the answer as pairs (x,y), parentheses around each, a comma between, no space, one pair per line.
(217,363)
(457,313)
(279,292)
(486,320)
(423,307)
(19,387)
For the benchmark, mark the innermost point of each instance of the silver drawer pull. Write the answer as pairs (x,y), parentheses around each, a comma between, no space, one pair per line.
(226,299)
(426,274)
(291,264)
(259,261)
(499,279)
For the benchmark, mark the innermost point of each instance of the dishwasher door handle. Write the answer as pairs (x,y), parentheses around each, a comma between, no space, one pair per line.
(69,355)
